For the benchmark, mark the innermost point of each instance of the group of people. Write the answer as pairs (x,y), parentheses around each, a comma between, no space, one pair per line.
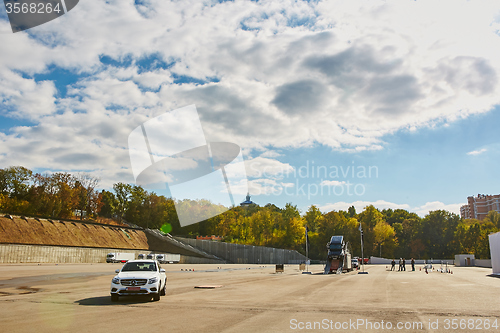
(402,264)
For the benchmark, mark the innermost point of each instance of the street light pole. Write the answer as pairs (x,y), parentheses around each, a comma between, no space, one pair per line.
(307,252)
(362,252)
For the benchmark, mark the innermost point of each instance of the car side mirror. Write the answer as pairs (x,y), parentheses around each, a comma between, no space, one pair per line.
(117,271)
(162,270)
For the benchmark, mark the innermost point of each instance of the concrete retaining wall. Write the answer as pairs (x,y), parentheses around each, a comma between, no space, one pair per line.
(476,262)
(14,254)
(246,254)
(198,260)
(11,253)
(384,261)
(482,263)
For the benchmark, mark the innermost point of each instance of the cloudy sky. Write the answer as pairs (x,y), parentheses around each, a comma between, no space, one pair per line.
(334,103)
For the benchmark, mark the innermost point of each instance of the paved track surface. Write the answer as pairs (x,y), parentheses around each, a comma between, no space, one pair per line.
(250,298)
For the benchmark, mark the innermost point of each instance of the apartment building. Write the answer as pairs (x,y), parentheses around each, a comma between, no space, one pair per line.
(478,207)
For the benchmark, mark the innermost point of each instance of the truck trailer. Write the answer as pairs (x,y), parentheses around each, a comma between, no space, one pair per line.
(168,258)
(338,257)
(120,257)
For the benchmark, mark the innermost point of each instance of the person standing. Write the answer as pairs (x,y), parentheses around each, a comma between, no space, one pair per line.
(393,263)
(404,264)
(400,265)
(413,264)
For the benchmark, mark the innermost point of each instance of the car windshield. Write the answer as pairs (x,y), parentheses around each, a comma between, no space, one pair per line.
(139,266)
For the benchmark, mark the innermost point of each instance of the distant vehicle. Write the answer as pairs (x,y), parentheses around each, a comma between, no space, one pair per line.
(139,277)
(151,256)
(365,259)
(339,256)
(119,257)
(140,256)
(168,258)
(355,263)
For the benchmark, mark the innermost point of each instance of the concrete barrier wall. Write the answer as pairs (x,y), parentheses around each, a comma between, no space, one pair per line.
(384,261)
(197,260)
(14,254)
(482,263)
(11,253)
(380,261)
(246,254)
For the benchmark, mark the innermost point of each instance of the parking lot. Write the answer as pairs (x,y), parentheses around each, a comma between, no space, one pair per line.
(250,298)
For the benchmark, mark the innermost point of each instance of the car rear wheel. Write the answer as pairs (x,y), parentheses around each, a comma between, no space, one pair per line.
(114,298)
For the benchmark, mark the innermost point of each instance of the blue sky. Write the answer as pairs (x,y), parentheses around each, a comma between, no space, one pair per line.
(415,167)
(334,84)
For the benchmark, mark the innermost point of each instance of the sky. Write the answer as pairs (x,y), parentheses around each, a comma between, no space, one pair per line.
(333,103)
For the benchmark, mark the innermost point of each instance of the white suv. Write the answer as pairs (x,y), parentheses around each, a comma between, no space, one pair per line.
(139,277)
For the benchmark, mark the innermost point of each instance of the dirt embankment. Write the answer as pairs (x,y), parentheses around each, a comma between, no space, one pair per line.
(67,233)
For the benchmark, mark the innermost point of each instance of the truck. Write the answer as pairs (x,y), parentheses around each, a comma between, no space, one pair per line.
(168,258)
(119,257)
(338,256)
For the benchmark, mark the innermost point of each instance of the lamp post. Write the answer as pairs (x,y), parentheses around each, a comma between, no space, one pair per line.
(307,252)
(362,253)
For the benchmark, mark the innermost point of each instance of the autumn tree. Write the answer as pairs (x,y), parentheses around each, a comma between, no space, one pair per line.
(85,186)
(122,194)
(437,234)
(312,218)
(384,238)
(369,218)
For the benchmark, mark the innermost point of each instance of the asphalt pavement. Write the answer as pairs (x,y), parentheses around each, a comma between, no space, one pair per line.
(250,298)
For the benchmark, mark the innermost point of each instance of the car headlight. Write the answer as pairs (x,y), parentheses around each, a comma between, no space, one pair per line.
(115,280)
(152,280)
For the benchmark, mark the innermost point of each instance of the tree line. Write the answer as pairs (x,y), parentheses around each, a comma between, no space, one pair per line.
(386,233)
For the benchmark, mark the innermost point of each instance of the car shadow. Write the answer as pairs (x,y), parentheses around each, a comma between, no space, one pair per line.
(106,300)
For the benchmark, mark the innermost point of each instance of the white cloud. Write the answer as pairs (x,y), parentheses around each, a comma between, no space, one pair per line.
(477,152)
(332,183)
(266,186)
(25,98)
(270,154)
(437,205)
(267,168)
(382,204)
(285,74)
